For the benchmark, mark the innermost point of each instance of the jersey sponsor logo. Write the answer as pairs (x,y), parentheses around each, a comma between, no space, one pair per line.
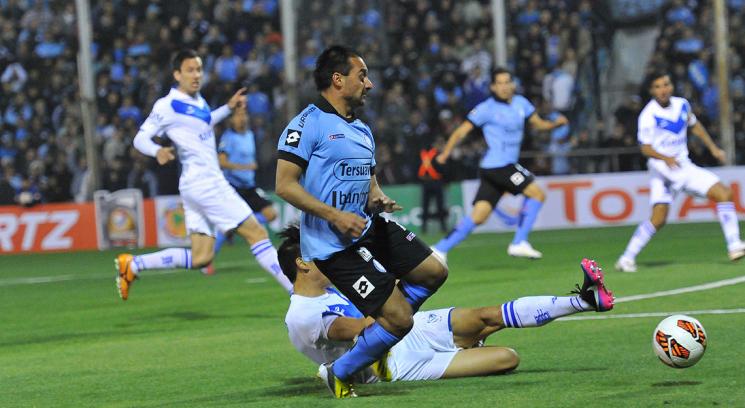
(340,198)
(301,121)
(293,137)
(353,170)
(363,287)
(191,110)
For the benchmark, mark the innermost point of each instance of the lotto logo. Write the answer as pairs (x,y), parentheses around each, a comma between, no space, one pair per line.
(363,287)
(517,178)
(293,137)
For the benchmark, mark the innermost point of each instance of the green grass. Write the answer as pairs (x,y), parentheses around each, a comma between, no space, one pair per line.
(188,340)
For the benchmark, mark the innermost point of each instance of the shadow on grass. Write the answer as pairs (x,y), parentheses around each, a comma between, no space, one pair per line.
(676,383)
(558,370)
(66,337)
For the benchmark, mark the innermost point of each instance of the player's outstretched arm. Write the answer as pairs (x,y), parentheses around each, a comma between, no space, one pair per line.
(540,124)
(377,201)
(288,187)
(458,134)
(699,131)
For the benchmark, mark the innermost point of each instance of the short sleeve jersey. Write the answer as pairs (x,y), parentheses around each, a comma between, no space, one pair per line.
(666,128)
(309,319)
(240,148)
(503,125)
(338,158)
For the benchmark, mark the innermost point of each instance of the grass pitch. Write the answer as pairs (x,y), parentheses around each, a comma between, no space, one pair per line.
(183,339)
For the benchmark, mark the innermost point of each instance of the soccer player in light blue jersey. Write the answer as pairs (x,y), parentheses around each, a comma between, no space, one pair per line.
(502,119)
(237,156)
(326,168)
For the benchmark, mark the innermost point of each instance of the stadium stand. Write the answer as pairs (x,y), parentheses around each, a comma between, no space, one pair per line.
(429,59)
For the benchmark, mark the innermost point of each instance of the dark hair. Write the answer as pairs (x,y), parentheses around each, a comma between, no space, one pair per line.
(497,71)
(333,59)
(653,76)
(289,250)
(182,55)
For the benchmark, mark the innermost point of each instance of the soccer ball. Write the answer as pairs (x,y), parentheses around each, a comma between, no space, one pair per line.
(679,341)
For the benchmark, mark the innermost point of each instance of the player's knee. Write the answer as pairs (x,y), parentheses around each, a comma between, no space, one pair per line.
(400,325)
(439,275)
(721,193)
(270,214)
(658,223)
(252,231)
(509,360)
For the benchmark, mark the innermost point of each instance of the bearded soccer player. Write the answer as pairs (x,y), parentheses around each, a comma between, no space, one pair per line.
(326,168)
(210,203)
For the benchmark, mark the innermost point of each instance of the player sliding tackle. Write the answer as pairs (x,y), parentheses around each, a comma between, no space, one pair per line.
(443,343)
(210,203)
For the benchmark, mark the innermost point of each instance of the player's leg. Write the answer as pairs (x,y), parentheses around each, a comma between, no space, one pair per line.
(661,195)
(506,218)
(727,215)
(486,198)
(520,246)
(263,249)
(481,361)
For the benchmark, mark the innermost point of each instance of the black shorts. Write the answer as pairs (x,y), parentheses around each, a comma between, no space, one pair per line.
(253,199)
(366,272)
(494,182)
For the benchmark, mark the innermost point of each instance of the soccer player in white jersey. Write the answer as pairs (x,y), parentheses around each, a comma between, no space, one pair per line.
(445,343)
(210,203)
(663,135)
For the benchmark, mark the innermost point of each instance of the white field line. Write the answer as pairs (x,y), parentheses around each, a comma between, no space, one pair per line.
(696,288)
(653,314)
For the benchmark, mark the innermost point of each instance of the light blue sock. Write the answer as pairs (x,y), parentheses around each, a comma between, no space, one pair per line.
(458,234)
(370,346)
(415,294)
(260,218)
(507,219)
(527,219)
(219,241)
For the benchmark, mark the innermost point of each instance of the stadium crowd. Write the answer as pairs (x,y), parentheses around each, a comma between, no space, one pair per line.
(430,61)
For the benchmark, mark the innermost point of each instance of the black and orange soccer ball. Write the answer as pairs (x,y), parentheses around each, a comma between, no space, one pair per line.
(679,341)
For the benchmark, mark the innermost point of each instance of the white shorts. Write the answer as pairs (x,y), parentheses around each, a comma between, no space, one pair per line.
(666,182)
(212,208)
(426,352)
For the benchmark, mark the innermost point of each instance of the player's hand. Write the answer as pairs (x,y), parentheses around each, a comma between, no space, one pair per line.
(164,155)
(671,162)
(442,158)
(385,204)
(349,224)
(238,100)
(561,121)
(718,154)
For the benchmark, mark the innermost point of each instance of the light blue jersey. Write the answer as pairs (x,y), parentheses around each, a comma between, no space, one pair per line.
(240,149)
(502,124)
(338,156)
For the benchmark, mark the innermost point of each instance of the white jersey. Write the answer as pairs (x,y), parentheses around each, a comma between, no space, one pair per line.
(423,354)
(666,128)
(188,122)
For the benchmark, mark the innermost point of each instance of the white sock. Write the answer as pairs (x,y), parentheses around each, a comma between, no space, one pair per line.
(266,254)
(533,311)
(170,258)
(644,232)
(730,225)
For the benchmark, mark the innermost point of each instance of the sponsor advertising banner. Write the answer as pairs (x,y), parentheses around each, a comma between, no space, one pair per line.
(169,221)
(120,218)
(599,200)
(49,227)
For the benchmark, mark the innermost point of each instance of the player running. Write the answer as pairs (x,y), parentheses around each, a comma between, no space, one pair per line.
(444,343)
(502,118)
(326,168)
(663,134)
(210,203)
(237,156)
